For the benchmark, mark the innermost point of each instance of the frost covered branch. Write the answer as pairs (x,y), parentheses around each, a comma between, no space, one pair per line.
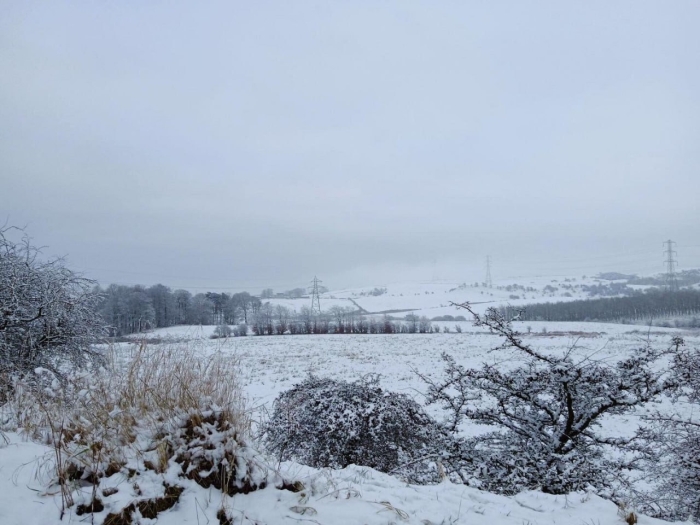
(47,312)
(546,411)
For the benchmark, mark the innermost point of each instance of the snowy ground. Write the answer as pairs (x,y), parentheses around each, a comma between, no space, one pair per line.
(356,495)
(352,496)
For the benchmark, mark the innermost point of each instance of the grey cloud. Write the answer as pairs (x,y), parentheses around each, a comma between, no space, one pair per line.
(250,143)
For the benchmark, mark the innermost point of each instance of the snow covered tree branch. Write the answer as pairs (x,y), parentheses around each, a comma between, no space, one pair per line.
(47,312)
(673,462)
(546,410)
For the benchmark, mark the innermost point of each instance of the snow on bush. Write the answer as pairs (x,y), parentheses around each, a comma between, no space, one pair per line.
(673,462)
(222,330)
(546,412)
(47,312)
(673,470)
(323,422)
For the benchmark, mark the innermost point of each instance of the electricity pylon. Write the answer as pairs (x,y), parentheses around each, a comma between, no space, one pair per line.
(315,297)
(671,281)
(488,282)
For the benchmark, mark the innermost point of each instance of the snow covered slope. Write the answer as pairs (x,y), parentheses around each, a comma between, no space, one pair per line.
(434,298)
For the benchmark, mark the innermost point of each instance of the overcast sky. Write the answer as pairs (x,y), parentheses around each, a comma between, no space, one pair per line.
(246,144)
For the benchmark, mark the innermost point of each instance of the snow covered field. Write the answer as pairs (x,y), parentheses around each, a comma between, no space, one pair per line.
(272,364)
(434,298)
(355,495)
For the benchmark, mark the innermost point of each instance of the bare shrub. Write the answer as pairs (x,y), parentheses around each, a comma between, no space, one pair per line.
(424,325)
(47,312)
(241,330)
(329,423)
(546,411)
(674,460)
(222,330)
(674,469)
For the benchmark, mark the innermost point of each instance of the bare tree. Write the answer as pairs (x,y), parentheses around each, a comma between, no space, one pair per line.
(424,325)
(164,305)
(182,303)
(295,293)
(201,310)
(245,302)
(264,320)
(47,312)
(306,320)
(546,411)
(282,321)
(411,323)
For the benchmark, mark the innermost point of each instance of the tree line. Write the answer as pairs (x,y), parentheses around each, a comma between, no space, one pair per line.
(132,309)
(280,320)
(641,307)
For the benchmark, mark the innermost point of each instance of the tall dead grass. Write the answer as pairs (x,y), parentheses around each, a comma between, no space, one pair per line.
(131,411)
(141,385)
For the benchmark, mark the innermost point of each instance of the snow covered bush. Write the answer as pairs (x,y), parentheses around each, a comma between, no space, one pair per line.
(673,469)
(687,370)
(328,423)
(47,312)
(546,411)
(241,330)
(222,330)
(673,465)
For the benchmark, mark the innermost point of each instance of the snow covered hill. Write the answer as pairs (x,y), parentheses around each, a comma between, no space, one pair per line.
(435,298)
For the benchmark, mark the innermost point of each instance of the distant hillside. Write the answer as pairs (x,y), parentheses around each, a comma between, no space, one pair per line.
(616,276)
(434,299)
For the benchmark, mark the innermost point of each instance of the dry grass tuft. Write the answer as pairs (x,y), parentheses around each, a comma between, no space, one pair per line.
(629,516)
(162,406)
